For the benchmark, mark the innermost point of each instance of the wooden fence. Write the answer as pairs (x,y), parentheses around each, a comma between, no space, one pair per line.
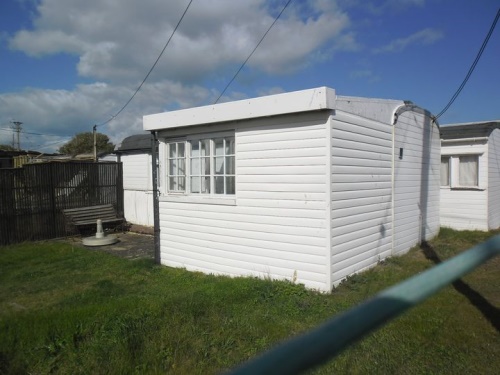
(32,198)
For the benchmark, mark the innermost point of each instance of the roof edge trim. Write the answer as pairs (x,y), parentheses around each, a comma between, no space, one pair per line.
(317,99)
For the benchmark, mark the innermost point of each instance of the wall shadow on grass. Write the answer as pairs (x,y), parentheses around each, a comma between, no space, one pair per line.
(490,312)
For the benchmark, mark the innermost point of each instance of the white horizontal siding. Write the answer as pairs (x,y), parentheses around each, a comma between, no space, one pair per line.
(416,180)
(283,145)
(137,189)
(466,209)
(138,207)
(269,232)
(247,241)
(287,197)
(278,227)
(137,172)
(360,193)
(494,180)
(282,161)
(290,170)
(312,262)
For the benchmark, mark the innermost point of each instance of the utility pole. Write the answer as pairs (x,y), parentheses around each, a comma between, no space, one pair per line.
(94,129)
(17,129)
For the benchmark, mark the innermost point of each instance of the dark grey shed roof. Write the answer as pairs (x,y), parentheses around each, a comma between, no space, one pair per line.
(468,130)
(136,143)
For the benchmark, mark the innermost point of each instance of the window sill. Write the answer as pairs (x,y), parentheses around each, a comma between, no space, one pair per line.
(474,188)
(195,199)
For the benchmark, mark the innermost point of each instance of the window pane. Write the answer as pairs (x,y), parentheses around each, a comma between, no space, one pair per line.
(195,148)
(181,182)
(211,160)
(171,183)
(467,173)
(219,146)
(195,167)
(175,166)
(172,167)
(181,169)
(445,171)
(230,165)
(206,162)
(195,184)
(219,165)
(205,185)
(171,150)
(205,147)
(180,149)
(219,185)
(229,146)
(230,185)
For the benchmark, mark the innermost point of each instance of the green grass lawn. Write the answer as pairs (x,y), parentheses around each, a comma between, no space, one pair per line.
(68,310)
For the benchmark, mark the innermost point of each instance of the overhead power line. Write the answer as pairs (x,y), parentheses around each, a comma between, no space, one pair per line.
(150,70)
(251,53)
(473,66)
(25,132)
(42,146)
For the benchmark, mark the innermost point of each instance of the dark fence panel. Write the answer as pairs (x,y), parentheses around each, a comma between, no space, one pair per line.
(32,198)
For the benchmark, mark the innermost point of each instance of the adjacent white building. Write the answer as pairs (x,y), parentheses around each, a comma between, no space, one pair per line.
(307,186)
(135,154)
(470,176)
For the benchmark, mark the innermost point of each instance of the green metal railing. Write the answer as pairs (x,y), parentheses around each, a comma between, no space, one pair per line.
(329,339)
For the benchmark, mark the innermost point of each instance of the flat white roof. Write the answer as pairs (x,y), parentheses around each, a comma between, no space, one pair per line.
(292,102)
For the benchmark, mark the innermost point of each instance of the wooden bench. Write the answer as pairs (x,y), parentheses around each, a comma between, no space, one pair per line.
(87,216)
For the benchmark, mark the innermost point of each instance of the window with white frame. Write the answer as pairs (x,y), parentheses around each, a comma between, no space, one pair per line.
(468,170)
(460,171)
(445,171)
(176,165)
(203,165)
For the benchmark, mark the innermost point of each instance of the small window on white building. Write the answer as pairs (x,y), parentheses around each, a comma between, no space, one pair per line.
(202,165)
(224,169)
(468,170)
(445,171)
(176,167)
(460,171)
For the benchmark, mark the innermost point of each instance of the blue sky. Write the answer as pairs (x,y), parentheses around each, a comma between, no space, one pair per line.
(69,64)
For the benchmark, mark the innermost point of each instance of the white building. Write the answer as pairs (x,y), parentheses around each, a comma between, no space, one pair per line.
(135,154)
(307,186)
(470,175)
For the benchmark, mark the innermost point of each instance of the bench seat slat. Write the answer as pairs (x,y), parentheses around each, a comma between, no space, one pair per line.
(88,215)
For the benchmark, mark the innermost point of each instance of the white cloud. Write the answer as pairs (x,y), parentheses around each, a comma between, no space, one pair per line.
(423,37)
(119,41)
(66,113)
(116,43)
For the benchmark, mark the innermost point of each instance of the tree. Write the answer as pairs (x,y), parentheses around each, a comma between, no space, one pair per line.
(83,143)
(7,148)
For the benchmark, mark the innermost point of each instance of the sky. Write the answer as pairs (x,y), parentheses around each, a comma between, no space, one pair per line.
(67,65)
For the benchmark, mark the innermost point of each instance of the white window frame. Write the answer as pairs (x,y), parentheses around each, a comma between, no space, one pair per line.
(187,195)
(448,182)
(454,172)
(473,185)
(168,164)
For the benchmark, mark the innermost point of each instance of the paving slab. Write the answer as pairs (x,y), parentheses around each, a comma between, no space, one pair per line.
(130,245)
